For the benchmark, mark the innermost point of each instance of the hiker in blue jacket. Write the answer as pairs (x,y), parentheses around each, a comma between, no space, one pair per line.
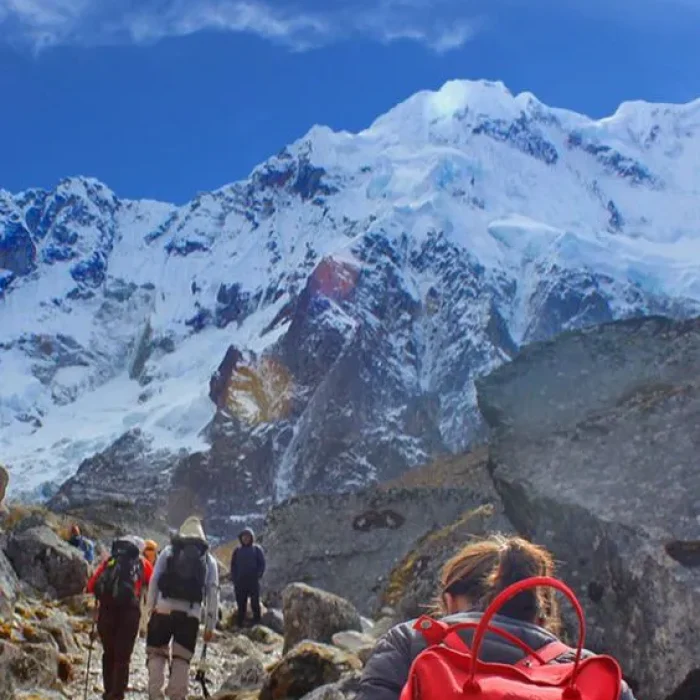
(82,543)
(247,568)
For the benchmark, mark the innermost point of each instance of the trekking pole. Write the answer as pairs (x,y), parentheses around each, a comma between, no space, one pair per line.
(89,659)
(201,676)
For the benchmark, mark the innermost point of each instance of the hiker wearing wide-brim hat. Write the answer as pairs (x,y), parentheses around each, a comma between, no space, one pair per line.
(185,583)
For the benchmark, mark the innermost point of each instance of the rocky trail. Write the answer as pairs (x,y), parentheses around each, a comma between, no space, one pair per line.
(313,647)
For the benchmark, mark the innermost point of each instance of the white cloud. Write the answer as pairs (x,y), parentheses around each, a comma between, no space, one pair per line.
(438,24)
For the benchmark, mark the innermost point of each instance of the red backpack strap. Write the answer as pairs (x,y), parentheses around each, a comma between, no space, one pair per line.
(550,651)
(437,632)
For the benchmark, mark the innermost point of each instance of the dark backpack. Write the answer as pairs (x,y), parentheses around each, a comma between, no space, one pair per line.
(185,571)
(118,581)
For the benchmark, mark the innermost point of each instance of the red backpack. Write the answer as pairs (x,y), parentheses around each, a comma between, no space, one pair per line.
(449,670)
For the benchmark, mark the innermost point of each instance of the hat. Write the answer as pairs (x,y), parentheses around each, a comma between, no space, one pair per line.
(192,528)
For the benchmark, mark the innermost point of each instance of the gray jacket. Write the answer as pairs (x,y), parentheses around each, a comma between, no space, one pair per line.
(158,603)
(387,669)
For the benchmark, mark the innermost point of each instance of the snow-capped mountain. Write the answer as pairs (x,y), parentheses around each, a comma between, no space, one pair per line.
(348,291)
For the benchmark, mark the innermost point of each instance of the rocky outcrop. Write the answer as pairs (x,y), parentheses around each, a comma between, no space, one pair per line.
(349,543)
(316,615)
(412,583)
(4,481)
(307,666)
(594,451)
(9,586)
(47,563)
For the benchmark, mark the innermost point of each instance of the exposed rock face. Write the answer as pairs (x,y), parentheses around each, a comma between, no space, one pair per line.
(594,451)
(349,543)
(4,481)
(316,615)
(47,563)
(413,582)
(9,585)
(126,483)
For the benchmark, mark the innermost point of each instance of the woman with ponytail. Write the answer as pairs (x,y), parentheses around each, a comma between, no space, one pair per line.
(469,582)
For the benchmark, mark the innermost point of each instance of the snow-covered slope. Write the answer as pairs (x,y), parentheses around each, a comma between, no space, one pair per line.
(379,272)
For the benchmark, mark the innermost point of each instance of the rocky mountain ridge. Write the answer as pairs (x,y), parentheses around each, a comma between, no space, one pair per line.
(319,326)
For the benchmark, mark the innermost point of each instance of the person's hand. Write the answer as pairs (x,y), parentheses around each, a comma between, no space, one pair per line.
(208,636)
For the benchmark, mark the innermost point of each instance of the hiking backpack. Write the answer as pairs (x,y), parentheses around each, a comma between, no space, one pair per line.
(119,579)
(448,669)
(185,572)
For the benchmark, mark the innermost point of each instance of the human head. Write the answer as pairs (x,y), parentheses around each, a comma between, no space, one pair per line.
(150,550)
(192,529)
(74,530)
(480,571)
(247,536)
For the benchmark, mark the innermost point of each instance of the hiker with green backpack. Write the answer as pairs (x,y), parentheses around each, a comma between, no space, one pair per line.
(493,635)
(185,584)
(117,584)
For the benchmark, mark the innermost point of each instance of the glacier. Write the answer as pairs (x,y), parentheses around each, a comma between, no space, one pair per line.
(429,247)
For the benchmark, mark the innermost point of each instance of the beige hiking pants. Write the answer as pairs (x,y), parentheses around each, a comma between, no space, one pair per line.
(178,682)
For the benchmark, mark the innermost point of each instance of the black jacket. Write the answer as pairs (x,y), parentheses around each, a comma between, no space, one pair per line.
(247,562)
(387,669)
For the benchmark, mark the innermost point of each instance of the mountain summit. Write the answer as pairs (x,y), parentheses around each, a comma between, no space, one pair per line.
(320,325)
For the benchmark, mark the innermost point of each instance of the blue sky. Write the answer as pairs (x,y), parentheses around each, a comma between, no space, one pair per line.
(165,98)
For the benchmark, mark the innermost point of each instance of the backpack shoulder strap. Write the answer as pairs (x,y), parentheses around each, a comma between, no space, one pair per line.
(546,654)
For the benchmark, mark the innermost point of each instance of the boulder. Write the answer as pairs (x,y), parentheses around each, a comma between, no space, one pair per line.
(47,563)
(274,620)
(307,666)
(313,614)
(246,674)
(414,581)
(35,666)
(349,543)
(59,627)
(9,587)
(8,654)
(325,692)
(357,643)
(594,450)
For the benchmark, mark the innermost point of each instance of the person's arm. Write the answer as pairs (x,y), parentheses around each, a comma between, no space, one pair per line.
(626,692)
(260,561)
(234,564)
(211,596)
(153,581)
(386,670)
(90,588)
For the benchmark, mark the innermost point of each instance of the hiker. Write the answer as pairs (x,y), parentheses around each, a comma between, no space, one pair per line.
(85,545)
(185,579)
(247,568)
(469,582)
(117,584)
(150,551)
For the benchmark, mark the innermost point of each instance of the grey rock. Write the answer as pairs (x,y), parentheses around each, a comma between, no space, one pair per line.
(47,563)
(325,692)
(594,451)
(9,587)
(313,614)
(8,655)
(273,619)
(126,484)
(309,665)
(247,674)
(348,544)
(358,643)
(59,627)
(36,666)
(4,481)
